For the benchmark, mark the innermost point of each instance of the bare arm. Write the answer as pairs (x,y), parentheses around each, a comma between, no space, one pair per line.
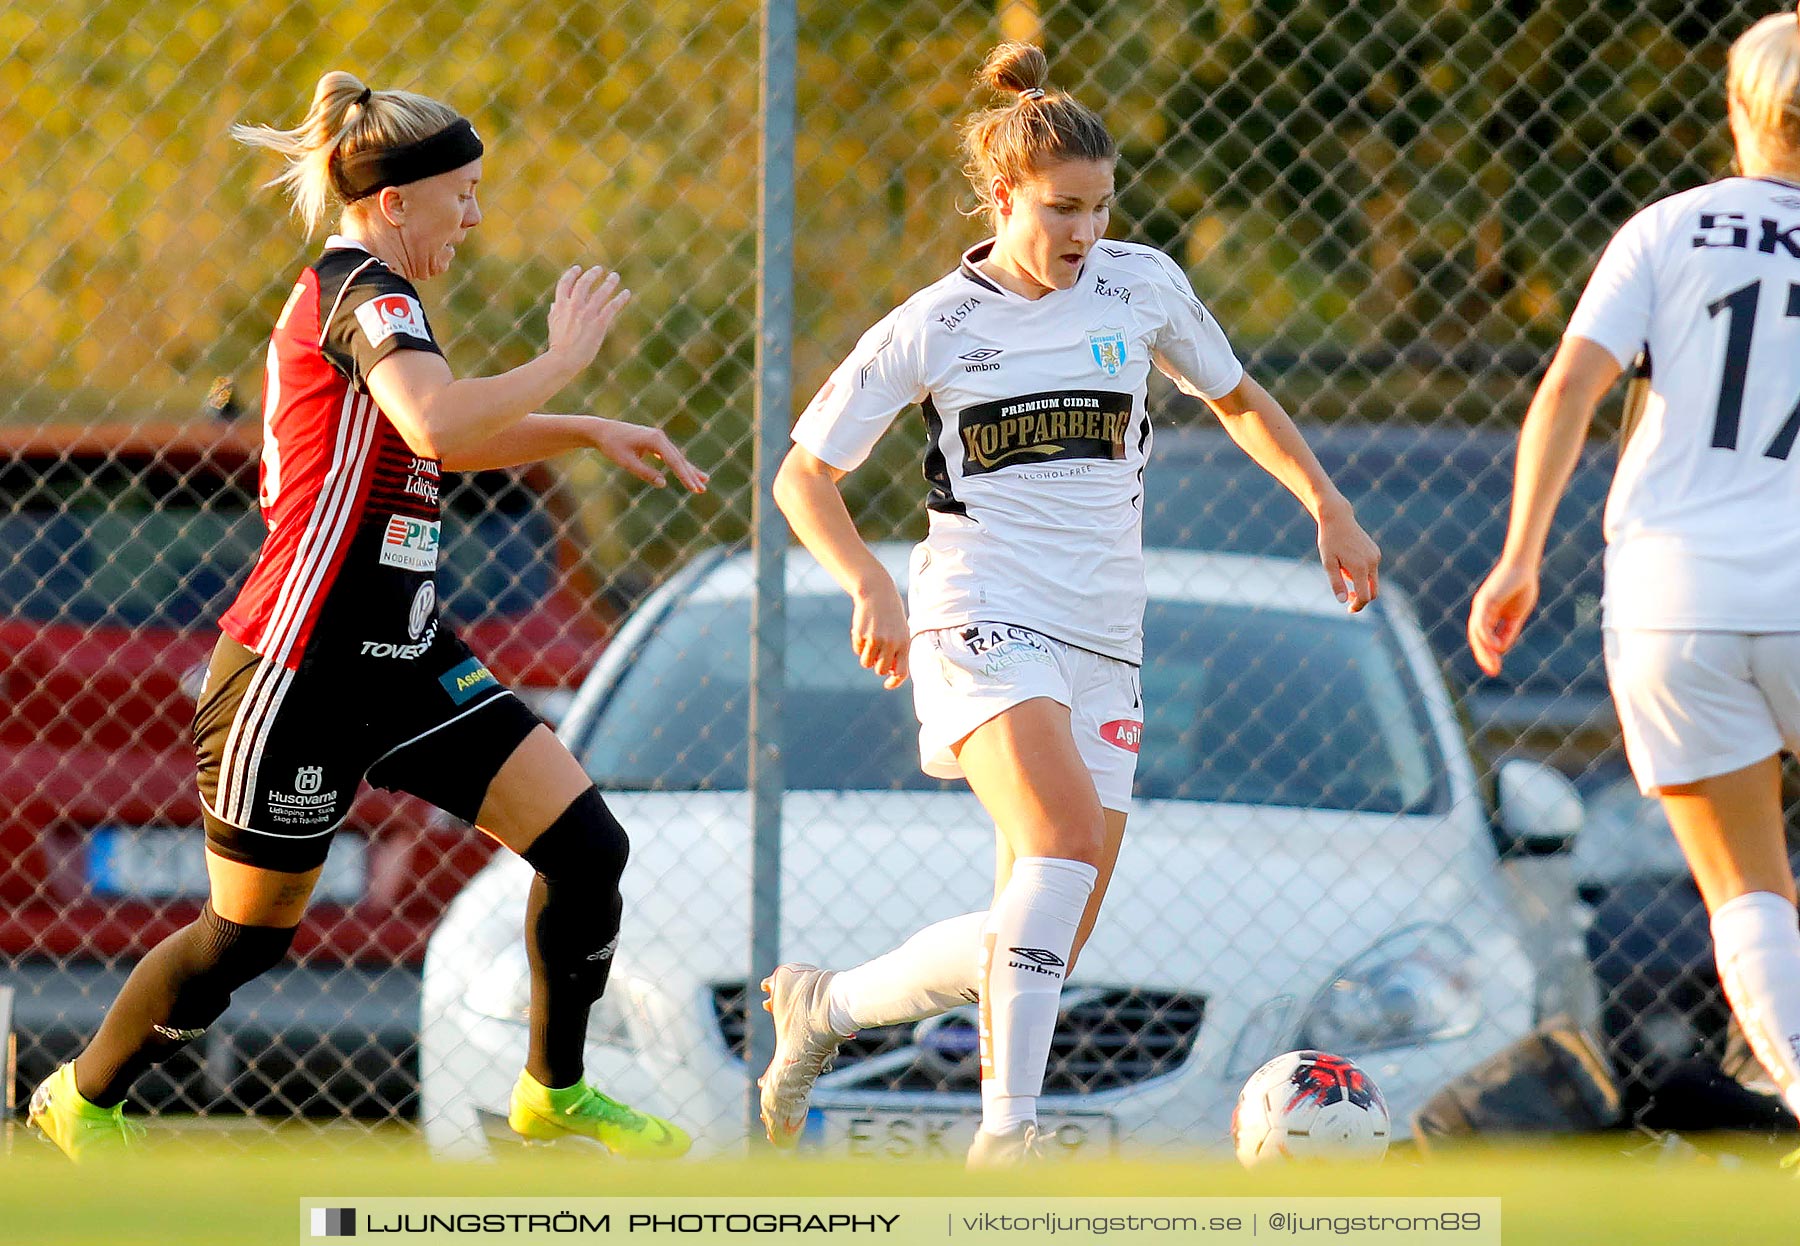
(536,437)
(1258,424)
(1550,442)
(541,436)
(806,490)
(441,417)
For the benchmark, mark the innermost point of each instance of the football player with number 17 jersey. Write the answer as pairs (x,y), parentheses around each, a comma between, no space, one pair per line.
(1701,607)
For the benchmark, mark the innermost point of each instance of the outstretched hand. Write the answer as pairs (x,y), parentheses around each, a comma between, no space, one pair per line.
(585,307)
(633,446)
(1351,557)
(1497,616)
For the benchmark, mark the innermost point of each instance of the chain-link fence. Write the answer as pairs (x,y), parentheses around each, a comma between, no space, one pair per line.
(1391,207)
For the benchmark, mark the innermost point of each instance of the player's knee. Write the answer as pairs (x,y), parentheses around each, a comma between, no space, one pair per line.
(584,842)
(1086,844)
(231,955)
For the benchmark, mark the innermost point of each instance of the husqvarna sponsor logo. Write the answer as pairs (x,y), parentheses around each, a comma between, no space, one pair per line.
(306,804)
(1125,733)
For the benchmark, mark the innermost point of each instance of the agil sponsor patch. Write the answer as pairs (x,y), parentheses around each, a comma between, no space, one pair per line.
(1125,733)
(410,543)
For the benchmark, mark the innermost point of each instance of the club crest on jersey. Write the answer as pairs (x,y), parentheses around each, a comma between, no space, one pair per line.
(392,315)
(1108,345)
(411,544)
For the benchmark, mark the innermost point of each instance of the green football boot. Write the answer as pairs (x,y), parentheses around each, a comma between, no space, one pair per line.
(544,1115)
(78,1128)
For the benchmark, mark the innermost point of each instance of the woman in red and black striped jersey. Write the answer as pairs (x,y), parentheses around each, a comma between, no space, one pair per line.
(334,662)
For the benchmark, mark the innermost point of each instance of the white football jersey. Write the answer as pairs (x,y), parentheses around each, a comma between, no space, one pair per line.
(1703,521)
(1036,436)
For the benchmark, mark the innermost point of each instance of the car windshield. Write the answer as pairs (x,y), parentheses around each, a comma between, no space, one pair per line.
(1252,706)
(1440,521)
(134,545)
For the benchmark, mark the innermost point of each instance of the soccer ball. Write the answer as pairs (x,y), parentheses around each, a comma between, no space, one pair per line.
(1309,1105)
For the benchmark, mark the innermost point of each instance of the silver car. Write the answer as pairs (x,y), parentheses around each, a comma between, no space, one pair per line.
(1310,862)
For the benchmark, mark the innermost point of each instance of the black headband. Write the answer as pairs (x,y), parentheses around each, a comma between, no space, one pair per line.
(362,173)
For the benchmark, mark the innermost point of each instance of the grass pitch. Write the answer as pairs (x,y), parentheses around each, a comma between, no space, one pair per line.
(244,1186)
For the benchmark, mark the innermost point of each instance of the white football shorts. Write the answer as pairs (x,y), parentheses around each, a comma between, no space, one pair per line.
(1697,704)
(964,676)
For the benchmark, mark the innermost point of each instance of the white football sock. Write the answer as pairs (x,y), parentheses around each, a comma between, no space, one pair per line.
(1756,939)
(932,972)
(1025,947)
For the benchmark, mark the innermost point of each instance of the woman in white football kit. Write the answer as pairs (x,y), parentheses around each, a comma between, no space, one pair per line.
(1030,361)
(1702,597)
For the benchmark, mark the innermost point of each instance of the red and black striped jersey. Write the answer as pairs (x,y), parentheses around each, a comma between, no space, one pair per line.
(349,563)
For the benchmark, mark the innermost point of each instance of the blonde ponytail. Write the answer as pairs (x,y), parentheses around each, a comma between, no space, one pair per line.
(346,117)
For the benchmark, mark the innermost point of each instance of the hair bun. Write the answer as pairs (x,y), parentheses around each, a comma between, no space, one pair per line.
(1015,69)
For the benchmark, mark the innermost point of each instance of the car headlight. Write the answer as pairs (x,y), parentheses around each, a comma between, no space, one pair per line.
(1417,985)
(1261,1038)
(503,991)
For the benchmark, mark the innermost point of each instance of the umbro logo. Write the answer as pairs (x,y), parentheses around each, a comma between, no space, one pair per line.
(1116,252)
(1040,955)
(980,356)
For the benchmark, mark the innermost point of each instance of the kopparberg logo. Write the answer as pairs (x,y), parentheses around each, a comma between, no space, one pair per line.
(1041,427)
(334,1222)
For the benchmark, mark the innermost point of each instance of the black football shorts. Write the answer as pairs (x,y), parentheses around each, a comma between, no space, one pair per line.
(281,752)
